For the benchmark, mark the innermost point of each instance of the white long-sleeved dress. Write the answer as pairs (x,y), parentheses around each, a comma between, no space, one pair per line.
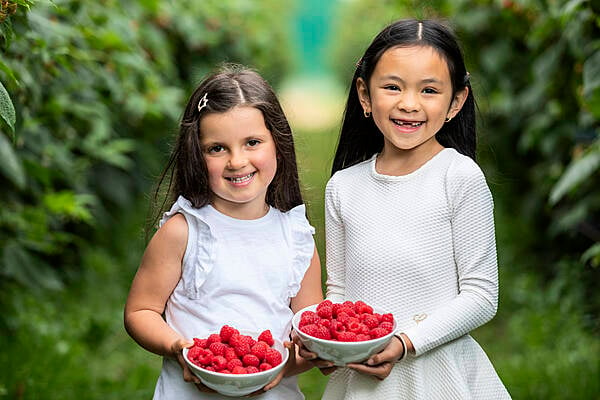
(421,246)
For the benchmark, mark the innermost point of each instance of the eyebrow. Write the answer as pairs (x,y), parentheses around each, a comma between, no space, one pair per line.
(398,79)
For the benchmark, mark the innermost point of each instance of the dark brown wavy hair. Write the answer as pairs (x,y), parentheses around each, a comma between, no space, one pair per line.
(186,173)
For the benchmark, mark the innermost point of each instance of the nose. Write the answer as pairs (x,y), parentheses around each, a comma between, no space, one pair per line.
(237,160)
(408,101)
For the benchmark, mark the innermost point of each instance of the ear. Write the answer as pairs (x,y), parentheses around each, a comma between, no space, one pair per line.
(457,102)
(363,94)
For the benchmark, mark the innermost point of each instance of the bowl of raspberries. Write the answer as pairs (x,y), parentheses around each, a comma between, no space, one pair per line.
(236,363)
(348,332)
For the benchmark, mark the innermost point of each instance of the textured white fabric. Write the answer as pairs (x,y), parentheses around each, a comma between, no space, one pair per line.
(421,246)
(241,273)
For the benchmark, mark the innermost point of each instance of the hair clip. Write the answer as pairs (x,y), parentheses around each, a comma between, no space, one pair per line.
(359,62)
(467,78)
(202,102)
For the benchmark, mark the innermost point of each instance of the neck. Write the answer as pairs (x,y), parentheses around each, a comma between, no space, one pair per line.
(241,211)
(397,162)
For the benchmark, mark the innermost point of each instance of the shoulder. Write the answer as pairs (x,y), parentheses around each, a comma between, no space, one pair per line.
(174,230)
(350,175)
(463,169)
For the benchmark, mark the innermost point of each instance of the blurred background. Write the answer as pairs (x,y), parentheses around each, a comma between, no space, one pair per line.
(90,97)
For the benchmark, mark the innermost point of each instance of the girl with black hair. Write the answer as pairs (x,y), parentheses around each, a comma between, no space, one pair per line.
(409,221)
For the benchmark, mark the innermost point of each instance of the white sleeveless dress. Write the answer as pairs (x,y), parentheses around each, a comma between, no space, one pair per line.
(241,273)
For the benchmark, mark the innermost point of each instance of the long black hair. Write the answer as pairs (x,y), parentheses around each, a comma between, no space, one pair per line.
(186,173)
(359,136)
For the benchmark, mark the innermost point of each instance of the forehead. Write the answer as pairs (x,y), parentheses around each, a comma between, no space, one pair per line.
(240,122)
(412,62)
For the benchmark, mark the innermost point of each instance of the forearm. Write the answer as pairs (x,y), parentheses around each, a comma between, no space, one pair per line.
(151,332)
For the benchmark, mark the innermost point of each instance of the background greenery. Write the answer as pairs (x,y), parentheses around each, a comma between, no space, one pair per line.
(90,96)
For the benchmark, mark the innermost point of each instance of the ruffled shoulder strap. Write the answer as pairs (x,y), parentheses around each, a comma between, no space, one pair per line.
(303,246)
(199,253)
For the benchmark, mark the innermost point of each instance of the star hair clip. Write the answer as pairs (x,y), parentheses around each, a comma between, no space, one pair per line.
(202,103)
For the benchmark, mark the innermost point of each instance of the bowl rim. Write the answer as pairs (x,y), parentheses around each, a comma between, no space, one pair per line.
(278,367)
(336,342)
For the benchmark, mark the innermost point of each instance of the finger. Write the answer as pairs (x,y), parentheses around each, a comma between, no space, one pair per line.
(291,362)
(392,352)
(380,371)
(204,389)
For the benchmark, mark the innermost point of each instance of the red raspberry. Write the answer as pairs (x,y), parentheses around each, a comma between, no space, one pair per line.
(265,366)
(252,370)
(259,350)
(213,338)
(323,333)
(354,325)
(234,339)
(343,317)
(361,337)
(371,321)
(325,312)
(226,332)
(325,322)
(389,317)
(379,317)
(336,327)
(348,304)
(310,329)
(273,357)
(308,317)
(242,349)
(347,310)
(247,339)
(200,343)
(230,354)
(205,357)
(324,303)
(388,326)
(209,369)
(194,352)
(346,336)
(362,308)
(239,370)
(236,362)
(377,333)
(266,337)
(218,363)
(218,348)
(335,308)
(251,359)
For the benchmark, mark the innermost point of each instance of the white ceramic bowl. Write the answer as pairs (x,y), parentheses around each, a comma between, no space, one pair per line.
(236,385)
(341,353)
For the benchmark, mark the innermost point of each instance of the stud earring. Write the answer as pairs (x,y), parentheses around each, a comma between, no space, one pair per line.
(448,119)
(367,113)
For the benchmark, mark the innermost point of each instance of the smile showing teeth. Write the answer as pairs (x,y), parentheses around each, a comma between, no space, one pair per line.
(406,123)
(241,179)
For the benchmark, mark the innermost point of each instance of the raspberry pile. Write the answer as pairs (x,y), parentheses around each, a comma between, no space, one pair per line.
(230,352)
(345,322)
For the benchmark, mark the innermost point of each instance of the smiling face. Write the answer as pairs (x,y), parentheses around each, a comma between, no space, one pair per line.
(241,160)
(410,95)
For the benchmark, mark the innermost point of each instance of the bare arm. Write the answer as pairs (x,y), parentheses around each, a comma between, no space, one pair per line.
(310,293)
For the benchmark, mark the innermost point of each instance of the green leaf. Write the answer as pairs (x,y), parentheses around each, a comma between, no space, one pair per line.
(592,255)
(10,165)
(22,266)
(591,83)
(576,172)
(7,110)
